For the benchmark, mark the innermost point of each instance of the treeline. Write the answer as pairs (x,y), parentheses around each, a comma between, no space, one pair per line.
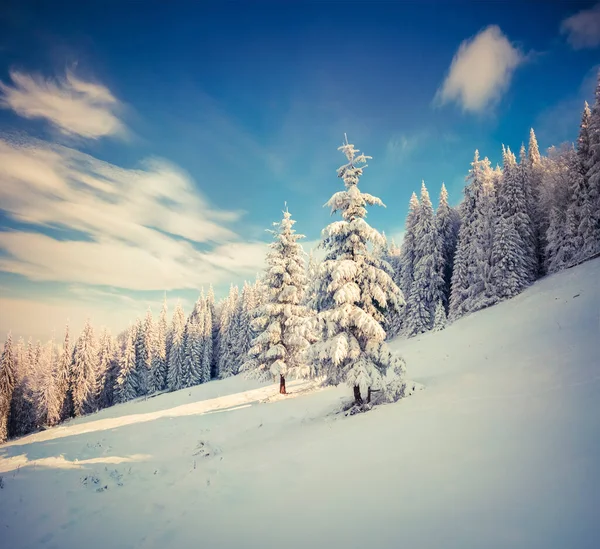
(49,383)
(532,216)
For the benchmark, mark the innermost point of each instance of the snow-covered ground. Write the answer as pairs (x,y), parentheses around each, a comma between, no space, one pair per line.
(501,450)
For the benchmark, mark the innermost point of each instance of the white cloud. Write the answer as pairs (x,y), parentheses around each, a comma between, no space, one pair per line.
(401,146)
(481,71)
(142,226)
(73,106)
(583,28)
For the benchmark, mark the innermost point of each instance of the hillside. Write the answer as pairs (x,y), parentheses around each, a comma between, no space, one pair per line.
(500,450)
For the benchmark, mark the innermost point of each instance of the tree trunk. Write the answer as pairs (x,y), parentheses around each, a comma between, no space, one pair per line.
(369,396)
(357,396)
(282,385)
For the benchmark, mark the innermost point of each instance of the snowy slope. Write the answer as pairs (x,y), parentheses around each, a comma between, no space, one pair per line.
(501,450)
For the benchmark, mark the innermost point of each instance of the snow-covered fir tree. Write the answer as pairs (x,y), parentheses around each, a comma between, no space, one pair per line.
(144,345)
(229,319)
(177,350)
(461,279)
(22,412)
(480,293)
(427,287)
(538,209)
(284,322)
(63,375)
(106,396)
(439,320)
(7,385)
(355,289)
(207,342)
(83,371)
(391,255)
(103,374)
(215,331)
(158,378)
(593,169)
(448,224)
(581,198)
(408,246)
(127,384)
(194,332)
(47,400)
(509,268)
(512,254)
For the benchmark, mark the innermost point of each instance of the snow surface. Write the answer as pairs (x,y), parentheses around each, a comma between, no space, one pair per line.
(501,450)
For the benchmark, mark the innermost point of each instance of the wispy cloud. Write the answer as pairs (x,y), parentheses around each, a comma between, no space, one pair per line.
(401,146)
(583,28)
(481,71)
(146,229)
(73,106)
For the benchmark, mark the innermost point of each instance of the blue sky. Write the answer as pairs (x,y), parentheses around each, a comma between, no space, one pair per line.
(146,148)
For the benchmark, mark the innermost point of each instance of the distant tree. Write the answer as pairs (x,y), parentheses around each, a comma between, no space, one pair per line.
(593,170)
(428,284)
(158,378)
(448,224)
(63,376)
(83,371)
(439,321)
(7,385)
(126,387)
(407,253)
(177,350)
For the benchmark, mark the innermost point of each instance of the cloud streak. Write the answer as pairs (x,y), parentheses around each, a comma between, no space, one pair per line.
(481,71)
(144,229)
(73,106)
(583,28)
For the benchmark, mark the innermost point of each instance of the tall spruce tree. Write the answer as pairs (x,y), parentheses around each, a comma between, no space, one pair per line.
(408,246)
(7,385)
(158,378)
(427,288)
(513,232)
(480,293)
(461,279)
(593,170)
(448,223)
(83,371)
(284,322)
(355,289)
(63,376)
(177,350)
(127,384)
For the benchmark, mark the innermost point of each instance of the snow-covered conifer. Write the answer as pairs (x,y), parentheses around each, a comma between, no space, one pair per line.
(177,350)
(355,290)
(593,170)
(158,379)
(7,385)
(461,280)
(126,386)
(439,321)
(509,272)
(480,293)
(284,322)
(448,223)
(63,375)
(207,343)
(46,397)
(83,371)
(144,345)
(512,208)
(428,284)
(229,321)
(408,246)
